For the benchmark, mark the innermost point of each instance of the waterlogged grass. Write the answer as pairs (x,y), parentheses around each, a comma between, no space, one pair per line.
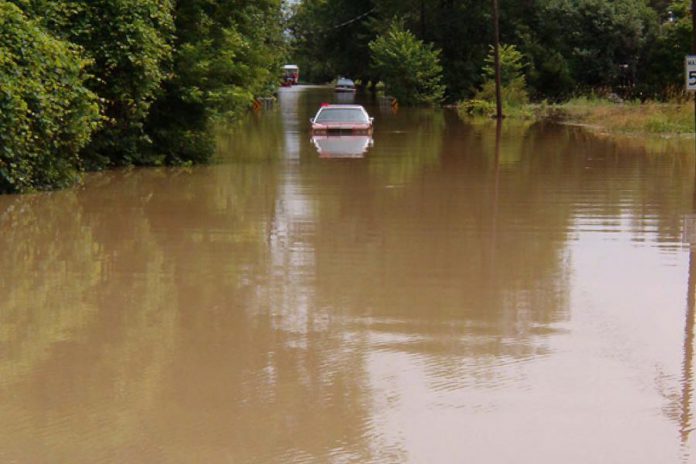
(634,117)
(628,117)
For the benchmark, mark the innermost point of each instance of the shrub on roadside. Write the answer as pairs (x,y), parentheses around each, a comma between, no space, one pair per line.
(128,45)
(410,69)
(476,108)
(46,113)
(513,83)
(513,88)
(227,53)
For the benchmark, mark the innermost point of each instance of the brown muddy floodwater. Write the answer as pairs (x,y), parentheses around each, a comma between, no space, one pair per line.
(437,295)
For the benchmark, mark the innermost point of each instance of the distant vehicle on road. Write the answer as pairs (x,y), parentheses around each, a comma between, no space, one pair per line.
(345,85)
(291,75)
(341,119)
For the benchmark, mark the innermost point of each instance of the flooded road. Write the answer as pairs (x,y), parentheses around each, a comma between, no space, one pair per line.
(441,293)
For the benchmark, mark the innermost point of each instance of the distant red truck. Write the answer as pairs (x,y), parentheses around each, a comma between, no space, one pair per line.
(291,75)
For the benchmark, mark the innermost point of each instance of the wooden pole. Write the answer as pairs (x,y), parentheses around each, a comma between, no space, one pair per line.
(496,57)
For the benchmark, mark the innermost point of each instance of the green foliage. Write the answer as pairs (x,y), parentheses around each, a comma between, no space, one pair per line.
(96,83)
(600,40)
(127,42)
(662,71)
(328,40)
(513,94)
(513,83)
(46,113)
(569,46)
(511,64)
(477,108)
(227,53)
(552,77)
(410,69)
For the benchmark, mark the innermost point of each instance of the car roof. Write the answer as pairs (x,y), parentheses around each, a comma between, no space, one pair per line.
(347,107)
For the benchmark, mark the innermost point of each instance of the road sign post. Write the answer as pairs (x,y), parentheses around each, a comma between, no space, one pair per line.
(691,72)
(690,76)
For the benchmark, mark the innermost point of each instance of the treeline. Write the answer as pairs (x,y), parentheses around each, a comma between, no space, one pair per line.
(634,48)
(89,84)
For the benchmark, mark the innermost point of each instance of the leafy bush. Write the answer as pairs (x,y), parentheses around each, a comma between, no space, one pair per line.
(127,42)
(409,68)
(661,73)
(227,53)
(477,108)
(513,94)
(601,41)
(46,113)
(513,83)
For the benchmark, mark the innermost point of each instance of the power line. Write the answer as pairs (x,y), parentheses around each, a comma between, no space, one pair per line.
(350,21)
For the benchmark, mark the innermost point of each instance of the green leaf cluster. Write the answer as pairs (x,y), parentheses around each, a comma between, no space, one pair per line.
(47,114)
(661,71)
(227,52)
(328,41)
(89,84)
(512,80)
(632,47)
(127,43)
(409,68)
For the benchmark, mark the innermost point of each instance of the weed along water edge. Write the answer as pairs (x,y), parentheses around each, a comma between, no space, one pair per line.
(445,293)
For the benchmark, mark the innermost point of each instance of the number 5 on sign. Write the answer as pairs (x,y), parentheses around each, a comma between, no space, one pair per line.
(691,72)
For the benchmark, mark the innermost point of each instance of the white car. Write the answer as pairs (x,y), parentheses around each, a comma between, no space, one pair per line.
(341,119)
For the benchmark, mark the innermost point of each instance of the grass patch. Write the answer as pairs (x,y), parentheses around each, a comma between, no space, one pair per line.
(631,117)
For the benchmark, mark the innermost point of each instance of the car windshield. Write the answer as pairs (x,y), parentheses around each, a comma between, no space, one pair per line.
(341,115)
(345,83)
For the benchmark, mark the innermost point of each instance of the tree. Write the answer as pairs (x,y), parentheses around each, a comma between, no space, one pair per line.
(127,43)
(46,113)
(662,68)
(601,40)
(330,38)
(410,69)
(227,53)
(569,46)
(513,82)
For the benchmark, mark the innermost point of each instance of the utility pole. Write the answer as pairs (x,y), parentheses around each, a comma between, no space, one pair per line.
(496,59)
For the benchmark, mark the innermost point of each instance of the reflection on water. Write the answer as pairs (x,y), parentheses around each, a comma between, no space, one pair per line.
(458,289)
(345,98)
(342,146)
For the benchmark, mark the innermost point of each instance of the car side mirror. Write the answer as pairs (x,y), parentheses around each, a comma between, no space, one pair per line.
(311,120)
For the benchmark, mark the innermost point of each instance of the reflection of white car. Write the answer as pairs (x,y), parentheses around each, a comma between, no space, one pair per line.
(342,146)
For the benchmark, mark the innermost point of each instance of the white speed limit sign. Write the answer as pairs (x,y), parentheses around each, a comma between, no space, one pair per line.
(691,72)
